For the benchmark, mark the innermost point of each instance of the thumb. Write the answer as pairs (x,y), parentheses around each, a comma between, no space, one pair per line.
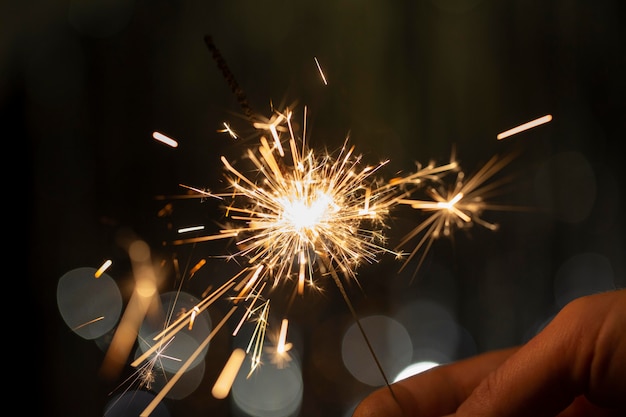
(581,352)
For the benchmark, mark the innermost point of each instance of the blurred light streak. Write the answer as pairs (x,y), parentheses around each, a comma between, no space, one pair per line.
(194,312)
(525,126)
(319,68)
(102,268)
(190,229)
(197,267)
(165,139)
(224,382)
(143,295)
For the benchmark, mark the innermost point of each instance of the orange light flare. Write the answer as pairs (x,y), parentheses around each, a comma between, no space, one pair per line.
(224,382)
(525,126)
(144,294)
(197,267)
(165,139)
(102,268)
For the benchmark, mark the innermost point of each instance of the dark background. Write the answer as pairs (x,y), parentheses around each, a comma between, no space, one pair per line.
(84,84)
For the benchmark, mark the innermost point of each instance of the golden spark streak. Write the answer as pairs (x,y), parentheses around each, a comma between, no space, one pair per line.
(224,382)
(249,312)
(280,348)
(228,130)
(197,267)
(192,319)
(80,326)
(103,268)
(525,126)
(190,229)
(319,68)
(256,341)
(204,238)
(165,139)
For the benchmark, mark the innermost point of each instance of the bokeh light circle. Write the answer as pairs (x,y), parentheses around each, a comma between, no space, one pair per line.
(89,306)
(435,334)
(390,342)
(270,391)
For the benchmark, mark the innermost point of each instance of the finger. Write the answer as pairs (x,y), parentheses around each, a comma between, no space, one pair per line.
(581,352)
(435,392)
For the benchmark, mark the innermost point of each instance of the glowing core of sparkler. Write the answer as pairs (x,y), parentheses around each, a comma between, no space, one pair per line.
(305,214)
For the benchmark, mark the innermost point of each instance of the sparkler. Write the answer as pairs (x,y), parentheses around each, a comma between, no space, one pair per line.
(300,218)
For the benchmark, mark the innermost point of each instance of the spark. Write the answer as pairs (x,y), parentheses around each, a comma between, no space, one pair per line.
(319,68)
(228,130)
(103,268)
(80,326)
(278,349)
(525,126)
(197,267)
(192,319)
(283,335)
(165,139)
(190,229)
(453,207)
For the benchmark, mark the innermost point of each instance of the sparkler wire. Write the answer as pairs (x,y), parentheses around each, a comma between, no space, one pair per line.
(342,290)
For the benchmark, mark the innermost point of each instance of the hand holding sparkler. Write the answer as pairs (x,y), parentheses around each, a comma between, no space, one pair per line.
(576,365)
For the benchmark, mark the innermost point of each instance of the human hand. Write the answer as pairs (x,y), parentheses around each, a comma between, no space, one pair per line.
(576,366)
